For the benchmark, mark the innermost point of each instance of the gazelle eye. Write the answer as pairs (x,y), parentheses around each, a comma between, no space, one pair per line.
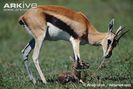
(109,41)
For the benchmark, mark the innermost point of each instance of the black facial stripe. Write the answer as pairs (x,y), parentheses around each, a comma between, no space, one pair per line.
(60,24)
(109,42)
(114,43)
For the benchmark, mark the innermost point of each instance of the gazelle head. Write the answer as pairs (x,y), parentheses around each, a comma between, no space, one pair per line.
(111,39)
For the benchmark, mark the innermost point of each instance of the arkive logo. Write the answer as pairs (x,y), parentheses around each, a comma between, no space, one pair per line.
(21,6)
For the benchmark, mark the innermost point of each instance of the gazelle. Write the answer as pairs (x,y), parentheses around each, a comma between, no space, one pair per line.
(75,75)
(60,23)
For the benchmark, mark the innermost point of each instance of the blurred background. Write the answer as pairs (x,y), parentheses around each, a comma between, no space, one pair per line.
(54,56)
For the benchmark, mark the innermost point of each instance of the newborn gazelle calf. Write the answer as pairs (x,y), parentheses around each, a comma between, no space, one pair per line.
(75,75)
(60,23)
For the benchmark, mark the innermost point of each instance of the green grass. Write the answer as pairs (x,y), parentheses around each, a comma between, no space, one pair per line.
(54,56)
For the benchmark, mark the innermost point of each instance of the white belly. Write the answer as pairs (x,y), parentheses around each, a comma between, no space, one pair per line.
(55,33)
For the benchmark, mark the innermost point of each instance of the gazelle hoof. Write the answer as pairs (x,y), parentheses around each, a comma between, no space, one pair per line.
(33,81)
(41,81)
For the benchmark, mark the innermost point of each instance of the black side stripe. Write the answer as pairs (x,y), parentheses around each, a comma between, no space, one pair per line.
(60,24)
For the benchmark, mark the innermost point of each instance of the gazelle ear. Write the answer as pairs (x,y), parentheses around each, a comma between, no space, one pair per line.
(111,24)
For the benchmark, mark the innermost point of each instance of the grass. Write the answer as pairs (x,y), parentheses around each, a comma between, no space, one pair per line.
(54,56)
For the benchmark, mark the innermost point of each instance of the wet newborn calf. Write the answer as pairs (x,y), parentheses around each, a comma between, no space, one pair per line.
(74,75)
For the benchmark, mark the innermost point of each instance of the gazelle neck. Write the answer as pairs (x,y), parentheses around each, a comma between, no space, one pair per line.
(95,37)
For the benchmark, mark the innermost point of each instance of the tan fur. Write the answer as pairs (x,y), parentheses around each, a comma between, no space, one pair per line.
(35,18)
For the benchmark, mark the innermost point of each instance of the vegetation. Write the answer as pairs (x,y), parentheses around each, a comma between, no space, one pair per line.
(54,56)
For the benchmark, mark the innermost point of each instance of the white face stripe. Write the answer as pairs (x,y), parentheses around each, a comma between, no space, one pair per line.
(55,33)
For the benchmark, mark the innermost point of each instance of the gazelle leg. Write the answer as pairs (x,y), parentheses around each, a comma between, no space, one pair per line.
(25,54)
(35,56)
(27,49)
(75,45)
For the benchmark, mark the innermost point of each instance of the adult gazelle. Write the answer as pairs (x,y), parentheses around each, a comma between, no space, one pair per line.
(59,23)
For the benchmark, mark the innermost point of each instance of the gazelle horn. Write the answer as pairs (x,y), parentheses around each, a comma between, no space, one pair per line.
(119,30)
(119,33)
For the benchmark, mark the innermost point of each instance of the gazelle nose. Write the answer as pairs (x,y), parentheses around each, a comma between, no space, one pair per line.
(108,55)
